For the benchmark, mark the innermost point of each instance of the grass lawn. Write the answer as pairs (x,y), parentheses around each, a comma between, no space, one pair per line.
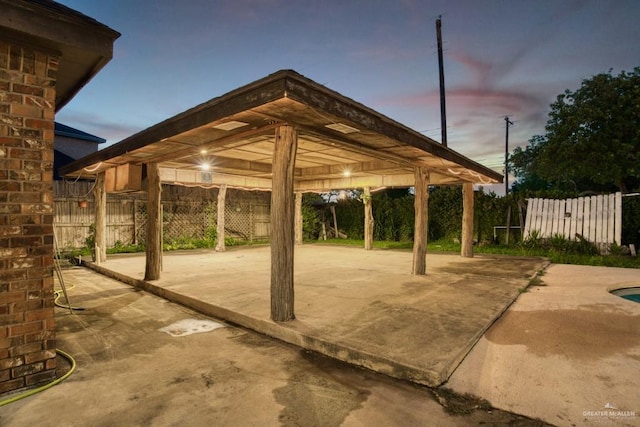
(554,256)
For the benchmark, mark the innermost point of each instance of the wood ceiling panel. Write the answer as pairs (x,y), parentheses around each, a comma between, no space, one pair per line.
(324,158)
(305,144)
(349,154)
(305,163)
(262,147)
(246,154)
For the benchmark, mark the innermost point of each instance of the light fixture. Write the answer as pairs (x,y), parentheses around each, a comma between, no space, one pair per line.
(203,151)
(346,173)
(342,128)
(230,125)
(205,166)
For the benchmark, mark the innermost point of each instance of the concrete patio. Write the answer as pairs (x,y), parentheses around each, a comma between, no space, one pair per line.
(132,372)
(567,352)
(362,307)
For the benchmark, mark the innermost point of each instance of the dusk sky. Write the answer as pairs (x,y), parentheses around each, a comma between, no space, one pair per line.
(501,58)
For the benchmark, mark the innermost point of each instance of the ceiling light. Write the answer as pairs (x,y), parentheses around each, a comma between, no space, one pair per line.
(346,173)
(230,125)
(203,151)
(205,166)
(342,128)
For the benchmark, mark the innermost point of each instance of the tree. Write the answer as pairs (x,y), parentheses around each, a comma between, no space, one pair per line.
(592,139)
(523,163)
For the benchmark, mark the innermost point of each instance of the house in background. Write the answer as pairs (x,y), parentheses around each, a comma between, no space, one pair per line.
(70,144)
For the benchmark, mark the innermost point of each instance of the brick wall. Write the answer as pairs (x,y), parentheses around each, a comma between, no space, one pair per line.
(27,334)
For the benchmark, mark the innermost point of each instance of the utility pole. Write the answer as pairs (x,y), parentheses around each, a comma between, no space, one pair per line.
(443,108)
(507,123)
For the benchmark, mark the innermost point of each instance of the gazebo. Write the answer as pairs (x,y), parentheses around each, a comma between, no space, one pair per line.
(289,135)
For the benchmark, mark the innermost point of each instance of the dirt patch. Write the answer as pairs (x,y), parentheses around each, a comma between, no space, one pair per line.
(578,334)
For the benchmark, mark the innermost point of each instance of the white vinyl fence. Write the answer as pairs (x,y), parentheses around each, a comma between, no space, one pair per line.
(597,218)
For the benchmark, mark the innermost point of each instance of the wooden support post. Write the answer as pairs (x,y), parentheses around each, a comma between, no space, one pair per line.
(154,224)
(421,204)
(368,219)
(332,208)
(282,224)
(466,249)
(222,195)
(100,237)
(298,218)
(507,236)
(522,207)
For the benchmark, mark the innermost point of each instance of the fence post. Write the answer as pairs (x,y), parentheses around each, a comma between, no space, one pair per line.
(466,248)
(222,195)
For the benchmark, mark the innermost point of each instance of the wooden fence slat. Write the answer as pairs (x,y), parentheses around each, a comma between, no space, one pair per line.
(618,219)
(574,219)
(596,212)
(586,231)
(611,218)
(580,217)
(560,214)
(593,218)
(529,218)
(554,217)
(543,219)
(540,218)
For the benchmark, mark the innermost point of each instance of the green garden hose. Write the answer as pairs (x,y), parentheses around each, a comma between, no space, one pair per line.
(46,386)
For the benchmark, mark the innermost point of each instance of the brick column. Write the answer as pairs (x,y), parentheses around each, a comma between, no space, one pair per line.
(27,334)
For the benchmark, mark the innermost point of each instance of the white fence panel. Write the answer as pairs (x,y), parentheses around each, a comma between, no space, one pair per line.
(597,219)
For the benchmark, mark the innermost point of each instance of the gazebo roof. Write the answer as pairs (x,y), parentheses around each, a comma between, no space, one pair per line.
(341,143)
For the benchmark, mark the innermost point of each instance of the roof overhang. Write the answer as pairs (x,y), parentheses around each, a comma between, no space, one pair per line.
(84,45)
(341,143)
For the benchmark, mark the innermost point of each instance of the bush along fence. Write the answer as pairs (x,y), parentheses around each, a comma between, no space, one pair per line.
(393,215)
(189,213)
(497,219)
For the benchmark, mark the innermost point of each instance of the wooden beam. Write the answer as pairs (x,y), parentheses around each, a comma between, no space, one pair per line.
(373,167)
(466,249)
(421,208)
(187,176)
(299,222)
(373,181)
(368,219)
(282,224)
(154,224)
(100,237)
(220,208)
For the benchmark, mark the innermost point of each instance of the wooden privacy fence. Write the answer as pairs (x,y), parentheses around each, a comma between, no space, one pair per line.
(187,213)
(597,218)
